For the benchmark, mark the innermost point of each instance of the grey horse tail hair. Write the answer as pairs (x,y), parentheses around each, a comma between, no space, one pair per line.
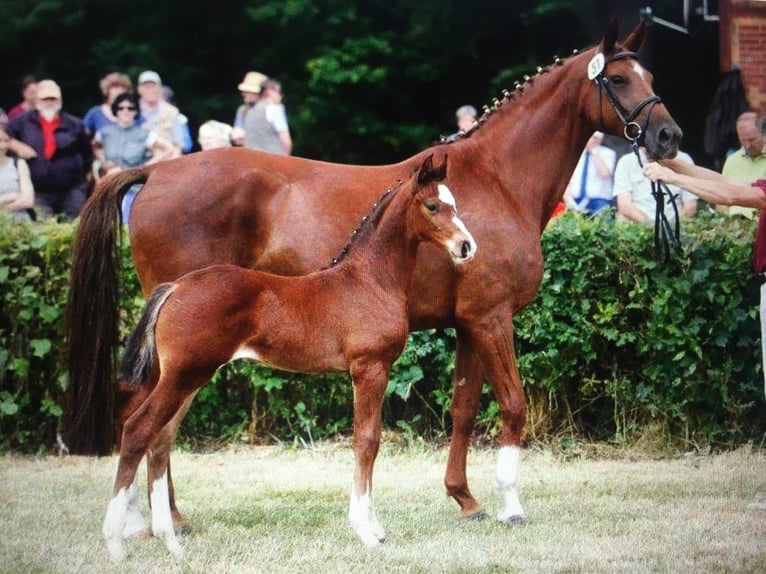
(140,348)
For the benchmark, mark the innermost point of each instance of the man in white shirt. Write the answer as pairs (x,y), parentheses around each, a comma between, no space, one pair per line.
(590,189)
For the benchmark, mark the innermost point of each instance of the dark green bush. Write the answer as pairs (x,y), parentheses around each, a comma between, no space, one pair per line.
(616,345)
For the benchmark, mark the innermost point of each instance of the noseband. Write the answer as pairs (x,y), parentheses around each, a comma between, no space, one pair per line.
(663,234)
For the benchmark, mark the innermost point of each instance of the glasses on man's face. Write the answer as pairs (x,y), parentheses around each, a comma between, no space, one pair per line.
(129,108)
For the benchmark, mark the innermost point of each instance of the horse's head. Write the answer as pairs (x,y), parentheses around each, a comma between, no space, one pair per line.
(620,96)
(434,214)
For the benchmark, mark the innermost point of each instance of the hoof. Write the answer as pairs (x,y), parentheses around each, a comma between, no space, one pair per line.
(477,516)
(517,520)
(182,529)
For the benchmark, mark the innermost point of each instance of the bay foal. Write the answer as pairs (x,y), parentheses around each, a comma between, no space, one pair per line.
(349,317)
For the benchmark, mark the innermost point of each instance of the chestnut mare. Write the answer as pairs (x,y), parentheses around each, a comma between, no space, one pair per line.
(289,215)
(349,317)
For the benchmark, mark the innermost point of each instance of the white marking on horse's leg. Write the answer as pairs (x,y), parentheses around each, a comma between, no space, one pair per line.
(361,516)
(507,476)
(134,522)
(162,521)
(114,522)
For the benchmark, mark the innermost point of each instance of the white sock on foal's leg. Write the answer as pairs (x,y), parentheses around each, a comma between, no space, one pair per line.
(134,522)
(361,516)
(507,478)
(114,522)
(162,520)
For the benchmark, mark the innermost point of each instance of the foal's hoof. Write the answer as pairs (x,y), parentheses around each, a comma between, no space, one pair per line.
(517,520)
(182,529)
(477,516)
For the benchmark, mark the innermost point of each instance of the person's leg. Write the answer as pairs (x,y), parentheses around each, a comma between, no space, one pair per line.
(73,201)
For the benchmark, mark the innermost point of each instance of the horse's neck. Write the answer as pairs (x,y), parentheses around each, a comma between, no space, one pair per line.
(387,252)
(537,137)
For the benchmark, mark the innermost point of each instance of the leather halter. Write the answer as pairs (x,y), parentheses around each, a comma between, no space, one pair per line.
(664,235)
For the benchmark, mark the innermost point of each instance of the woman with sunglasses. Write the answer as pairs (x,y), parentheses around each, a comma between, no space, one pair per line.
(124,144)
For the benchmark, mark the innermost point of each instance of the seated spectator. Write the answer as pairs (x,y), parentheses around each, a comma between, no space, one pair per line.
(590,188)
(64,154)
(266,126)
(466,119)
(125,144)
(158,115)
(250,88)
(28,98)
(748,163)
(16,148)
(17,195)
(633,192)
(112,85)
(213,134)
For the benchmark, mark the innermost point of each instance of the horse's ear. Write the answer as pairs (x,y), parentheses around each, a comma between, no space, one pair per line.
(425,172)
(610,37)
(634,42)
(440,171)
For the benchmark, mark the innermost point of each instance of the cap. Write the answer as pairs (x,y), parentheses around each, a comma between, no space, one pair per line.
(48,89)
(466,111)
(149,76)
(252,82)
(215,130)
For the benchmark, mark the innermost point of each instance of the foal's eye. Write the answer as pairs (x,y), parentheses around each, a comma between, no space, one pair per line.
(618,80)
(432,206)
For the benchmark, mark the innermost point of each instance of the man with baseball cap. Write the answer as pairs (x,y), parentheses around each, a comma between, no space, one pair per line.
(64,155)
(158,115)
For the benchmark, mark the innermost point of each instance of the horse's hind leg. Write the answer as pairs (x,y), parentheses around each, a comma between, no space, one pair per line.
(158,463)
(369,387)
(139,431)
(469,377)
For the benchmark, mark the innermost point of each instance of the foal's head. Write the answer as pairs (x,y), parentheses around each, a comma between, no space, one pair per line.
(433,216)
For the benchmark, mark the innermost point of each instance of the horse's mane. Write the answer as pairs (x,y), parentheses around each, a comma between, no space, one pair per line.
(507,96)
(368,223)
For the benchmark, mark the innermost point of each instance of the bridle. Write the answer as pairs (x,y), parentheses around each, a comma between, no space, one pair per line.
(633,131)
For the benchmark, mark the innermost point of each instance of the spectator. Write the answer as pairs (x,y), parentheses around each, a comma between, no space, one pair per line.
(112,85)
(125,144)
(250,88)
(748,163)
(17,195)
(590,189)
(64,154)
(466,119)
(213,134)
(28,98)
(158,115)
(266,123)
(633,192)
(16,148)
(187,143)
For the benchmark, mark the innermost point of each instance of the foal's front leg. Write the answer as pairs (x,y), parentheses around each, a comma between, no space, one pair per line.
(370,381)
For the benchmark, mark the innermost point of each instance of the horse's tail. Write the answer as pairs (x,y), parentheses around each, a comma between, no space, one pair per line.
(140,348)
(92,318)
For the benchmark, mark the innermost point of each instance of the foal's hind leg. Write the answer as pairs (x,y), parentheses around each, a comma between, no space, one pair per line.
(370,383)
(139,431)
(158,463)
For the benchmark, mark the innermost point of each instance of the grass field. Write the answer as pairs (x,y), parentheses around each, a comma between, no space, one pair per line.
(272,510)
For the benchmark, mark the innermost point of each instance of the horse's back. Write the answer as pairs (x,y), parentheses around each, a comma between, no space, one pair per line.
(288,215)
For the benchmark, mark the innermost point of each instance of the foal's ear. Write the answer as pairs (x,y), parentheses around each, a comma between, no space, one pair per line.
(428,172)
(635,40)
(610,37)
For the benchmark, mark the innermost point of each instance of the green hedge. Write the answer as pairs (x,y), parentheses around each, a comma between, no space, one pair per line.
(615,346)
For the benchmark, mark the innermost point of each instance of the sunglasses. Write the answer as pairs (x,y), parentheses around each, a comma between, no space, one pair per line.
(129,108)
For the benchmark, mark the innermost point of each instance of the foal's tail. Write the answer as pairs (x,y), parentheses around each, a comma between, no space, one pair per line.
(92,318)
(140,349)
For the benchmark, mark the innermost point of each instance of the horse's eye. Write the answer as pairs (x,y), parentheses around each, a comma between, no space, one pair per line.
(618,80)
(432,206)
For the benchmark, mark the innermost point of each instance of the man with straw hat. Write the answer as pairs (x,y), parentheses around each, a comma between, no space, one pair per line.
(250,88)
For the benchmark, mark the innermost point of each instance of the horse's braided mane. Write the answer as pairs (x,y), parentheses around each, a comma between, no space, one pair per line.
(368,222)
(507,96)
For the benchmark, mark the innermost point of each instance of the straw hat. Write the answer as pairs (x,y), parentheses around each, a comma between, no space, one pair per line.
(252,82)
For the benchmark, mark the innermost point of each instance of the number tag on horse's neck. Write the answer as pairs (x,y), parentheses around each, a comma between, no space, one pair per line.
(595,66)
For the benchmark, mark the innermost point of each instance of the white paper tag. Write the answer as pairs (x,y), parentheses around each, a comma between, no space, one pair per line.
(595,66)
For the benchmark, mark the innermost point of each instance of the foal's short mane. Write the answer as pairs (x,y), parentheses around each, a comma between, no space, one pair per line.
(507,96)
(368,223)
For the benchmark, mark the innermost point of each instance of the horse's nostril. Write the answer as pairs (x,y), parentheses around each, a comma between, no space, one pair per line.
(465,249)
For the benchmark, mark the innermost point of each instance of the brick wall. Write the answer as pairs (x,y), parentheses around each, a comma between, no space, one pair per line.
(742,31)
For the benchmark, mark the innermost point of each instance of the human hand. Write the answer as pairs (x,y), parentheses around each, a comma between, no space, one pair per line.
(655,171)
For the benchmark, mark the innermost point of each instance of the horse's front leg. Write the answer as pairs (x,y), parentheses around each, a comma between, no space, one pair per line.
(494,343)
(370,381)
(466,393)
